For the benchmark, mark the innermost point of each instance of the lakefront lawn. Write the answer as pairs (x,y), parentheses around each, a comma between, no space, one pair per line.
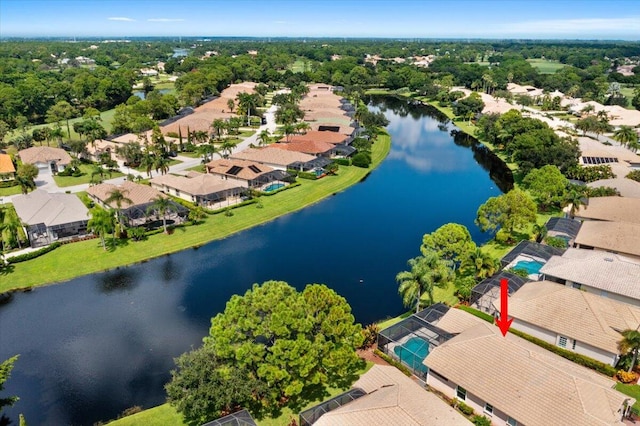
(61,264)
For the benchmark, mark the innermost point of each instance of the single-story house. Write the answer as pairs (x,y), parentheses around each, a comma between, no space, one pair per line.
(384,396)
(575,320)
(102,147)
(49,160)
(7,169)
(199,188)
(317,148)
(51,217)
(515,382)
(614,237)
(278,159)
(333,127)
(142,197)
(595,271)
(249,174)
(613,209)
(318,136)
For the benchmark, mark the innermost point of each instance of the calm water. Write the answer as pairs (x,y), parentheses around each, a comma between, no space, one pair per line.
(96,345)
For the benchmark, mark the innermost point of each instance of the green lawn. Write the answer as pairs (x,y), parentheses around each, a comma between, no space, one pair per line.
(190,154)
(545,66)
(172,162)
(55,266)
(106,120)
(297,66)
(630,390)
(12,190)
(87,169)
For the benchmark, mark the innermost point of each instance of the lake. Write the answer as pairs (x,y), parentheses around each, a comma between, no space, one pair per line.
(96,345)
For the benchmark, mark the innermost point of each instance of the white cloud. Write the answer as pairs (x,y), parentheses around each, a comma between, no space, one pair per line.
(165,20)
(573,26)
(120,18)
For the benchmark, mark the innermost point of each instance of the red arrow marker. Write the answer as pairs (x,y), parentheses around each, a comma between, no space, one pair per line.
(504,322)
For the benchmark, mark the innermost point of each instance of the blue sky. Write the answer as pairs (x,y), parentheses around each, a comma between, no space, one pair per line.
(583,19)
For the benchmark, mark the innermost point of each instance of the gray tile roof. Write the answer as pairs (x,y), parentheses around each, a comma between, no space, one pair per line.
(49,208)
(618,237)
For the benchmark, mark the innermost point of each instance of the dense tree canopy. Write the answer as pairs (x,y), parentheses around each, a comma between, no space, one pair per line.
(287,341)
(547,184)
(509,211)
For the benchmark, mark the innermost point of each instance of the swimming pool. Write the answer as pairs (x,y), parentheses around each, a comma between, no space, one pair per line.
(531,266)
(273,187)
(318,172)
(413,352)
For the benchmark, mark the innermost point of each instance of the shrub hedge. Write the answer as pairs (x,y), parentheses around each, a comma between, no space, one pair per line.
(476,313)
(342,161)
(393,362)
(284,188)
(307,175)
(235,206)
(33,254)
(8,183)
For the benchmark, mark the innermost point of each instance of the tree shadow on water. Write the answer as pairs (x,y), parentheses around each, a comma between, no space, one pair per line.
(117,280)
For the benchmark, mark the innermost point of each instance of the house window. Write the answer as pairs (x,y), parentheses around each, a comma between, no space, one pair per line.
(461,393)
(562,342)
(488,409)
(511,421)
(576,285)
(604,293)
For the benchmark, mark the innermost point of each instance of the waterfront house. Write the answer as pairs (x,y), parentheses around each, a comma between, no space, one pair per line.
(249,174)
(51,217)
(612,209)
(514,382)
(318,136)
(137,212)
(199,188)
(278,159)
(578,321)
(614,237)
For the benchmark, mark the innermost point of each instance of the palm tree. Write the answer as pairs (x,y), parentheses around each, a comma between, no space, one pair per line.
(264,137)
(101,222)
(227,147)
(13,225)
(630,343)
(147,162)
(219,126)
(162,205)
(207,150)
(576,199)
(482,263)
(540,231)
(231,105)
(288,130)
(161,164)
(301,127)
(247,102)
(625,135)
(427,272)
(118,197)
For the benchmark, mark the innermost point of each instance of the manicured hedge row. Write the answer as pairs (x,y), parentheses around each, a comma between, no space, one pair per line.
(307,175)
(393,362)
(585,361)
(8,183)
(284,188)
(235,206)
(33,254)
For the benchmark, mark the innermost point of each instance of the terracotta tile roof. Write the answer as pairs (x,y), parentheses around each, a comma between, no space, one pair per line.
(139,194)
(308,147)
(531,385)
(316,136)
(614,209)
(580,315)
(241,169)
(6,165)
(49,208)
(271,155)
(598,269)
(44,154)
(196,184)
(345,130)
(392,399)
(617,237)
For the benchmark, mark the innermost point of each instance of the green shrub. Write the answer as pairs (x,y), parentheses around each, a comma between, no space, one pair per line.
(33,254)
(235,206)
(481,421)
(284,188)
(634,175)
(293,172)
(370,334)
(342,161)
(8,183)
(393,362)
(137,233)
(556,242)
(502,236)
(465,409)
(361,159)
(307,175)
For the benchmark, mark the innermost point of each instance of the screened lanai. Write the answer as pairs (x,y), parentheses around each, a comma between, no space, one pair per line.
(316,163)
(487,292)
(410,340)
(141,214)
(239,418)
(531,250)
(310,416)
(563,227)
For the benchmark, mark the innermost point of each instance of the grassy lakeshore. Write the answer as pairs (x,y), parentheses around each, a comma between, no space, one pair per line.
(62,265)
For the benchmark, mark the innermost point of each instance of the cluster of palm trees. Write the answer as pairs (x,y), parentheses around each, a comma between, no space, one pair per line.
(112,221)
(10,229)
